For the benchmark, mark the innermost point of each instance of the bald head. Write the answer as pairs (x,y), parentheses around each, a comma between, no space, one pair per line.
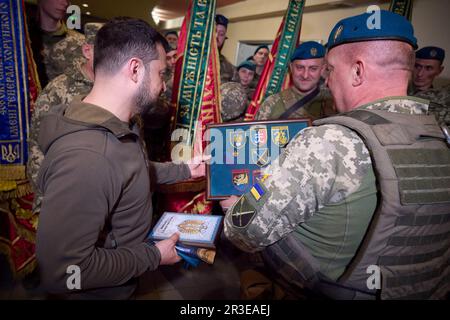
(362,72)
(391,56)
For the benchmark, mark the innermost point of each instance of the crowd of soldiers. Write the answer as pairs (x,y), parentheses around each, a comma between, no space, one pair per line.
(330,163)
(307,73)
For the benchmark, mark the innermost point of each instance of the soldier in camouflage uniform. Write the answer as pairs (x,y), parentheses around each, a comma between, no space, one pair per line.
(323,193)
(245,75)
(56,48)
(428,66)
(234,102)
(260,58)
(307,65)
(440,103)
(227,70)
(60,90)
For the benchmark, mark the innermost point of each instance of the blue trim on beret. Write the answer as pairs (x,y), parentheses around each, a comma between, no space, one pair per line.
(355,29)
(221,19)
(433,53)
(250,65)
(308,50)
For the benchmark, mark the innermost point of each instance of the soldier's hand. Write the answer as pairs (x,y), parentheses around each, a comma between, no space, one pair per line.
(197,166)
(229,202)
(167,249)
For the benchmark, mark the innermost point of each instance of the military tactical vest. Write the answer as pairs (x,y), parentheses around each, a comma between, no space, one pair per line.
(408,239)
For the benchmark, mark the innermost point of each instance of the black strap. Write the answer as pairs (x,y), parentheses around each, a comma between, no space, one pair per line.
(300,103)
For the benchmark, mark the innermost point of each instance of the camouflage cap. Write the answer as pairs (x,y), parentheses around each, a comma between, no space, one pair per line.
(90,31)
(234,101)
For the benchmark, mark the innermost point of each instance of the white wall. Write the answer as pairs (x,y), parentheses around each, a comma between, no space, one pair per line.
(431,20)
(315,25)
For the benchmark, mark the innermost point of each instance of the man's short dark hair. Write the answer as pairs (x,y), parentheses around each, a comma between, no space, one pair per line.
(171,32)
(123,38)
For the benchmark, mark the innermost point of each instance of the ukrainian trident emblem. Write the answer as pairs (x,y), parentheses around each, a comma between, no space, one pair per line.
(10,154)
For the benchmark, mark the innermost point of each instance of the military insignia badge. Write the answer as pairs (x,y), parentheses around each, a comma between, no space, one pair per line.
(258,135)
(433,53)
(313,52)
(280,136)
(242,214)
(261,157)
(240,179)
(257,176)
(338,32)
(237,140)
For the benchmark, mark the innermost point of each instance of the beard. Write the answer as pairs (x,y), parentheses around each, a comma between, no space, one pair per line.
(144,98)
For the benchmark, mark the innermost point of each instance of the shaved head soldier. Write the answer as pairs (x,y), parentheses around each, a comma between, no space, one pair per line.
(360,190)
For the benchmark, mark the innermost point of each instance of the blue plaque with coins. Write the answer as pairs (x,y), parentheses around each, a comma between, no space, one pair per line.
(240,153)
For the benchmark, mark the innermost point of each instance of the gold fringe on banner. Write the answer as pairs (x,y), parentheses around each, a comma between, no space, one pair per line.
(12,172)
(22,189)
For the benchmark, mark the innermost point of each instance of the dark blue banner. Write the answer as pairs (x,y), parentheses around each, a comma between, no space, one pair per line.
(14,98)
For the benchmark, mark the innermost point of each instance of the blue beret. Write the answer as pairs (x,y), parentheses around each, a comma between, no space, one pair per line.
(261,47)
(356,29)
(221,19)
(308,50)
(433,53)
(250,65)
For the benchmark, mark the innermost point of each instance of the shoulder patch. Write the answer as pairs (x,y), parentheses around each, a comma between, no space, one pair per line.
(243,213)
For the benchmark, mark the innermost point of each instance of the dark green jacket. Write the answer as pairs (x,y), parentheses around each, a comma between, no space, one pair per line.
(97,208)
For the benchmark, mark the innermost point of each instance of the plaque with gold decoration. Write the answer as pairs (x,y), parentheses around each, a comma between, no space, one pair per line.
(194,229)
(241,151)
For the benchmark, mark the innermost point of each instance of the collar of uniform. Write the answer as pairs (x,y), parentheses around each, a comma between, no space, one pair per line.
(301,94)
(92,114)
(78,75)
(61,31)
(401,104)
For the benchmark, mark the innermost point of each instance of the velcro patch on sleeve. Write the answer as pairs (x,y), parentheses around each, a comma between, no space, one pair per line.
(257,192)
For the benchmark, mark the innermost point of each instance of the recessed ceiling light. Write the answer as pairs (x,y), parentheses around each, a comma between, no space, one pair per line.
(88,13)
(85,5)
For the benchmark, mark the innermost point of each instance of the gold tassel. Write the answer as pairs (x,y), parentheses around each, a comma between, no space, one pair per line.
(12,172)
(22,189)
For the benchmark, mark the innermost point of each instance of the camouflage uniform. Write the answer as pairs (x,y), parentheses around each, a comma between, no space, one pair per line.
(168,80)
(324,190)
(234,101)
(440,99)
(60,90)
(275,105)
(255,81)
(227,70)
(62,51)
